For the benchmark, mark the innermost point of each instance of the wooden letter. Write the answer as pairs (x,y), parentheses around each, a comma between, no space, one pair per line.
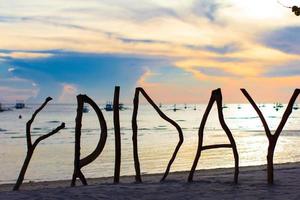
(79,163)
(135,130)
(272,138)
(215,96)
(31,147)
(117,135)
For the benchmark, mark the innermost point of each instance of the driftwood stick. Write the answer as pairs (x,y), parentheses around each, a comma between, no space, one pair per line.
(138,177)
(31,147)
(166,118)
(215,96)
(261,116)
(79,163)
(28,124)
(272,138)
(162,115)
(229,135)
(117,135)
(200,137)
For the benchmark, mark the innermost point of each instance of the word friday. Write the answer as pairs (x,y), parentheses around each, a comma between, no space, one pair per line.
(216,97)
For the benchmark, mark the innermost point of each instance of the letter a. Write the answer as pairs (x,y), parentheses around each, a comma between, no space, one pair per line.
(215,96)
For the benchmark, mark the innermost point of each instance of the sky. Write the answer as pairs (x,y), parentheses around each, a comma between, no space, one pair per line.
(177,50)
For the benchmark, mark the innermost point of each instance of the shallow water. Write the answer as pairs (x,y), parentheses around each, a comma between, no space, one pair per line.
(53,158)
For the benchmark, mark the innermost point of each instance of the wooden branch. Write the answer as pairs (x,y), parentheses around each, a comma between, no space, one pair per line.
(166,118)
(228,133)
(287,113)
(261,116)
(30,147)
(43,137)
(200,137)
(28,124)
(117,135)
(215,146)
(79,163)
(162,115)
(273,138)
(138,177)
(215,96)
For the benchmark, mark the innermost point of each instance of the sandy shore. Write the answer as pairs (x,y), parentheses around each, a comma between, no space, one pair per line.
(208,184)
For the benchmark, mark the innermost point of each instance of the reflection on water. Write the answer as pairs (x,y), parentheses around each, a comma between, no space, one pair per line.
(157,139)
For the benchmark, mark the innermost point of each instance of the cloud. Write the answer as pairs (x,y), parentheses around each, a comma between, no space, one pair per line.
(284,39)
(213,71)
(68,93)
(13,94)
(224,49)
(206,8)
(11,69)
(23,55)
(93,74)
(147,41)
(290,70)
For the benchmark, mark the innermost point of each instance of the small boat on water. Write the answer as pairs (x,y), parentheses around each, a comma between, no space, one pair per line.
(239,107)
(2,108)
(277,106)
(109,106)
(20,105)
(296,107)
(225,106)
(85,109)
(195,107)
(174,108)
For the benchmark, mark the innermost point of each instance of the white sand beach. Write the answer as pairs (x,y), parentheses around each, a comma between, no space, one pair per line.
(208,184)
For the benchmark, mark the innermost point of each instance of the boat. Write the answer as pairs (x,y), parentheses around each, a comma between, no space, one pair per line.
(160,105)
(174,108)
(277,106)
(239,107)
(121,106)
(185,106)
(109,106)
(2,108)
(195,107)
(296,107)
(225,106)
(85,109)
(20,105)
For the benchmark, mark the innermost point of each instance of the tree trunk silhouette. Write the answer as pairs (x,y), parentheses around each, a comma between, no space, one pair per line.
(31,147)
(79,163)
(117,135)
(215,96)
(135,129)
(272,138)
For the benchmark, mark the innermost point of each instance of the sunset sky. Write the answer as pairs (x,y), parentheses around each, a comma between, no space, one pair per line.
(178,50)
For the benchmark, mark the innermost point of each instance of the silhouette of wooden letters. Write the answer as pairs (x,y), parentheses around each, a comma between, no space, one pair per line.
(79,163)
(272,138)
(215,96)
(116,107)
(135,130)
(31,147)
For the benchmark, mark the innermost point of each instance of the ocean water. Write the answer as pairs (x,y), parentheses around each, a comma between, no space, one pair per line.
(53,158)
